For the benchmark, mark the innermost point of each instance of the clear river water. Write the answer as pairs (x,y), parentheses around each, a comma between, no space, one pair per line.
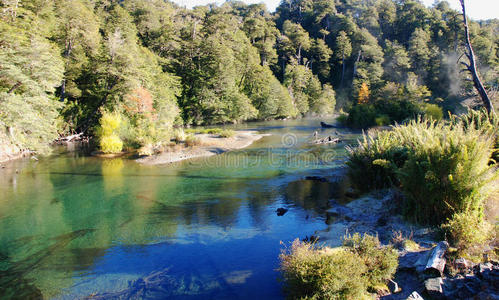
(73,226)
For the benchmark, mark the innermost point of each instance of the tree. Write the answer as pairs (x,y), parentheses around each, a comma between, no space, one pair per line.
(298,38)
(363,97)
(30,70)
(419,51)
(344,49)
(471,67)
(78,36)
(397,63)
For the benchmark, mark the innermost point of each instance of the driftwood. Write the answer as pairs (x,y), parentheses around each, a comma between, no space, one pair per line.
(436,260)
(72,138)
(327,140)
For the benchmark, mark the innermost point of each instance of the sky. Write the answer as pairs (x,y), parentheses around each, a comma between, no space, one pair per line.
(476,9)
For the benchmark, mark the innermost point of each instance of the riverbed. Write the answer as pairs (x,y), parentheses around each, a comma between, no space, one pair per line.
(73,226)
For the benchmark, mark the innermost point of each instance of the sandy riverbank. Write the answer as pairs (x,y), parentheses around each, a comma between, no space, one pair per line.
(210,144)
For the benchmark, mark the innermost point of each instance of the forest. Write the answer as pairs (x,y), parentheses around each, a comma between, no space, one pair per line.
(149,66)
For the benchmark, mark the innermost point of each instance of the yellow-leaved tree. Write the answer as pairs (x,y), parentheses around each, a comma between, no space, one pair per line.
(363,94)
(110,141)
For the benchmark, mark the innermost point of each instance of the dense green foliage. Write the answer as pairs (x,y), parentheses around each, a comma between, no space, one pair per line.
(63,62)
(443,168)
(349,272)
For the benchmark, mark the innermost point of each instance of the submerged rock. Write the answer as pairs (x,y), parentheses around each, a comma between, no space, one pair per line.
(316,178)
(281,211)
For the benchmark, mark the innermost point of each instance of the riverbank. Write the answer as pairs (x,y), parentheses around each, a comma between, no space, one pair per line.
(10,152)
(207,145)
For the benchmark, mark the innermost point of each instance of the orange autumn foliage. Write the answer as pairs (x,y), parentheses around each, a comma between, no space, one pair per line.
(363,97)
(140,101)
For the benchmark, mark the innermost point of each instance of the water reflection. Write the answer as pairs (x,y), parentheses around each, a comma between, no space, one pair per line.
(74,226)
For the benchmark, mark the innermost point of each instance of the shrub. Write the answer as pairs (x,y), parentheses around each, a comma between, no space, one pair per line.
(342,273)
(179,135)
(226,133)
(381,261)
(446,172)
(433,111)
(481,120)
(467,229)
(382,120)
(109,140)
(111,144)
(109,123)
(192,140)
(361,116)
(397,110)
(441,168)
(342,119)
(374,163)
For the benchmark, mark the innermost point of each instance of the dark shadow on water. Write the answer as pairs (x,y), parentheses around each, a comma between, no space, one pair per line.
(14,283)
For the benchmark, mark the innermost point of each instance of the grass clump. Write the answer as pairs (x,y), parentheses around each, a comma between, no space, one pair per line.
(349,272)
(400,241)
(227,133)
(441,168)
(216,131)
(192,140)
(179,135)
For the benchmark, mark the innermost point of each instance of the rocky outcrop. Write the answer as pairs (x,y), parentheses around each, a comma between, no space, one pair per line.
(424,272)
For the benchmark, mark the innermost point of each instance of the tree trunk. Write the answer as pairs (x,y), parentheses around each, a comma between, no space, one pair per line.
(342,68)
(299,55)
(67,52)
(355,65)
(471,67)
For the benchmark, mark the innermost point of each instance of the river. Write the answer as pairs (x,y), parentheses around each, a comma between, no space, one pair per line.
(74,226)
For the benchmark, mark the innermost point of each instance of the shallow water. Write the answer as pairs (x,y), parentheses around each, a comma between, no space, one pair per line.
(76,226)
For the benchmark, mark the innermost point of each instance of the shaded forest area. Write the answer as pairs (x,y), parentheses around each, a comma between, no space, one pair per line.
(63,63)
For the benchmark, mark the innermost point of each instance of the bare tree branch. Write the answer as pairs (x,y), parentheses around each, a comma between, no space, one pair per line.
(472,65)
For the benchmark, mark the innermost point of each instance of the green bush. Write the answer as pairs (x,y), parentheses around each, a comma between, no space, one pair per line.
(433,111)
(227,133)
(467,229)
(397,110)
(441,168)
(342,119)
(362,116)
(179,135)
(446,172)
(192,140)
(382,120)
(374,163)
(381,261)
(481,120)
(348,272)
(385,112)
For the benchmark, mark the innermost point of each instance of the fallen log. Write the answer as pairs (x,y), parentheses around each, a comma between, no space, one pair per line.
(327,140)
(436,261)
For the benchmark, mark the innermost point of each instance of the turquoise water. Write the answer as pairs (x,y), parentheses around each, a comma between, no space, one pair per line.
(74,226)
